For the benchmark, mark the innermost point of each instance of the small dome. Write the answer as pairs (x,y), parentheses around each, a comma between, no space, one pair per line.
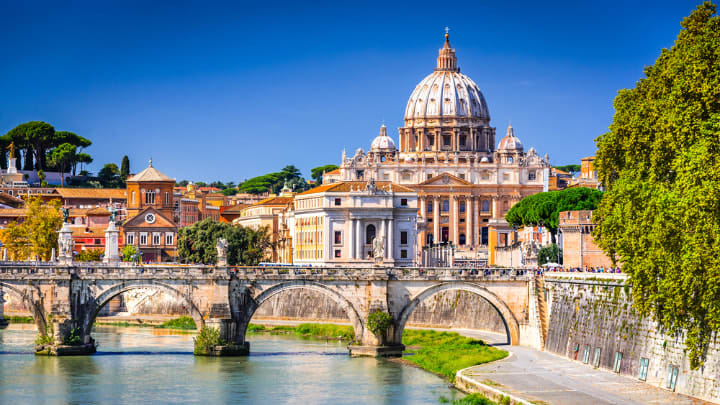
(510,142)
(383,143)
(484,159)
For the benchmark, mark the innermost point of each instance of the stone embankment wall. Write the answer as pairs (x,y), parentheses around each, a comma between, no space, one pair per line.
(448,309)
(597,313)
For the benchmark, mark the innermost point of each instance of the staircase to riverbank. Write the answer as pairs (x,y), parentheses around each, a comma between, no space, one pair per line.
(542,307)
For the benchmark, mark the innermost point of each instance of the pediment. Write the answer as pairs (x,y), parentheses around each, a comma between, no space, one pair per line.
(445,179)
(140,220)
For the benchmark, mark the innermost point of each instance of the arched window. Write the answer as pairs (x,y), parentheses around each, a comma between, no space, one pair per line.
(369,234)
(462,238)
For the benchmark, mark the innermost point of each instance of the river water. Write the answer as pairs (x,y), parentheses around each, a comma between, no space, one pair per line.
(144,365)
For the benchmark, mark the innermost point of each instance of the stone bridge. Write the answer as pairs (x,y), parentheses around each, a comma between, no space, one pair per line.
(67,298)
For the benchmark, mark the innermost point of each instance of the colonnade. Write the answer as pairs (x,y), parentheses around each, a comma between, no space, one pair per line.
(450,216)
(358,228)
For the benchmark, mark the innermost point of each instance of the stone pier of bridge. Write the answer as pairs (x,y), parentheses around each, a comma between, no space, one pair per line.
(66,299)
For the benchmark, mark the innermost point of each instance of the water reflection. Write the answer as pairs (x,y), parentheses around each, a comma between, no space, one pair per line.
(135,365)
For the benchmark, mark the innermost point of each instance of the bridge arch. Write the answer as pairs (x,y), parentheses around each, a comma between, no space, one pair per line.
(101,300)
(26,297)
(347,306)
(512,327)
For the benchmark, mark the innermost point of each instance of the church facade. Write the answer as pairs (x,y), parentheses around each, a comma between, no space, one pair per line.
(448,155)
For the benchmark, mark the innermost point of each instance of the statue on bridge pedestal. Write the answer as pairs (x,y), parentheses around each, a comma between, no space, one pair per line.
(222,246)
(378,245)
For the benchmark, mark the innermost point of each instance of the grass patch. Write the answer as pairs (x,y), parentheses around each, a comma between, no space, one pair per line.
(19,319)
(472,399)
(125,324)
(184,323)
(445,353)
(308,330)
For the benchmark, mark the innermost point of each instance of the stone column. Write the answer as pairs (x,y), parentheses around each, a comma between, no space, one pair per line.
(454,219)
(350,240)
(358,240)
(495,207)
(436,219)
(111,244)
(468,221)
(423,208)
(65,244)
(390,240)
(476,222)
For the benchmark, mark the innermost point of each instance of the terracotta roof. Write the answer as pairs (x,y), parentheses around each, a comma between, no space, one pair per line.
(336,171)
(88,232)
(233,208)
(98,211)
(150,174)
(346,186)
(274,201)
(114,193)
(13,212)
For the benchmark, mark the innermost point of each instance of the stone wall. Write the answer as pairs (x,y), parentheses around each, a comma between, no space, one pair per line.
(596,313)
(449,309)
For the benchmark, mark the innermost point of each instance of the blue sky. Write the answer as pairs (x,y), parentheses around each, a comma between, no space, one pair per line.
(230,90)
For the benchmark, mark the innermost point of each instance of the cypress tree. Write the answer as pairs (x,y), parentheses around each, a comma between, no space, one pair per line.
(125,168)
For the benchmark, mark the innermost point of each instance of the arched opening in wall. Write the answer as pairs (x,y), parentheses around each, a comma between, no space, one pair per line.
(460,305)
(301,301)
(142,292)
(15,302)
(369,234)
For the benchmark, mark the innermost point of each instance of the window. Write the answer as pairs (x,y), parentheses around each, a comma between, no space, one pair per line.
(446,205)
(428,176)
(671,377)
(403,254)
(338,237)
(338,253)
(506,206)
(169,236)
(337,202)
(97,241)
(150,197)
(360,174)
(131,238)
(403,237)
(156,238)
(596,358)
(463,140)
(132,197)
(586,355)
(167,198)
(369,234)
(429,239)
(509,159)
(506,177)
(643,369)
(446,140)
(485,176)
(403,202)
(462,206)
(143,238)
(531,175)
(462,176)
(430,207)
(618,361)
(462,238)
(486,206)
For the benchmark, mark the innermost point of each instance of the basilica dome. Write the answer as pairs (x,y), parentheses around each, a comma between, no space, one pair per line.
(383,143)
(446,92)
(510,142)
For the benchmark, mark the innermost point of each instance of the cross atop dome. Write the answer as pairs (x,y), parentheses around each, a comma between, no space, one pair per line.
(446,60)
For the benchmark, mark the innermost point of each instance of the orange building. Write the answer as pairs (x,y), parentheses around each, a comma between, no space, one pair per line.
(578,244)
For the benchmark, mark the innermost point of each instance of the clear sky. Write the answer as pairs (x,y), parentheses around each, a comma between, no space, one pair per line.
(228,91)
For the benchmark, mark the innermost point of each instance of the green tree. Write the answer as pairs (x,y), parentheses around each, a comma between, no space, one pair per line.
(543,208)
(84,159)
(660,164)
(109,175)
(89,255)
(37,234)
(246,246)
(125,168)
(130,253)
(35,137)
(62,157)
(317,172)
(549,254)
(569,168)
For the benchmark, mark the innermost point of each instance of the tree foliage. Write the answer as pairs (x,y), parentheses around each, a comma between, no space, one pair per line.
(90,255)
(125,168)
(246,246)
(569,168)
(62,157)
(549,254)
(130,253)
(543,208)
(37,138)
(274,182)
(317,172)
(37,234)
(660,163)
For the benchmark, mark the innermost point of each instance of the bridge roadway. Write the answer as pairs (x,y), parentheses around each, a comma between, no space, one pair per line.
(66,298)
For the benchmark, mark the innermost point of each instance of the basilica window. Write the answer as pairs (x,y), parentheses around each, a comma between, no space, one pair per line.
(446,140)
(403,202)
(509,159)
(446,205)
(337,201)
(486,206)
(462,206)
(485,176)
(430,140)
(150,197)
(403,237)
(360,174)
(463,140)
(369,234)
(338,237)
(531,175)
(461,175)
(403,254)
(462,238)
(430,208)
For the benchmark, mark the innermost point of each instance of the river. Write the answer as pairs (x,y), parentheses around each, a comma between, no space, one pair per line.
(144,365)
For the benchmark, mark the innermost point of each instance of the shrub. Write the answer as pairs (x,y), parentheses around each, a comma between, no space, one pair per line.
(207,339)
(73,339)
(379,322)
(89,255)
(184,322)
